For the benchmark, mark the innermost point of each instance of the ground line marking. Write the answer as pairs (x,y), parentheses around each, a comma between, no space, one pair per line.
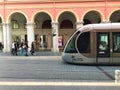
(59,83)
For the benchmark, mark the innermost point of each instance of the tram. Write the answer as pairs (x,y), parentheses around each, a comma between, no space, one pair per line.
(94,44)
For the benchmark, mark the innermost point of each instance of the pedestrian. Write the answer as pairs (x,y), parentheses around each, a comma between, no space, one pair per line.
(32,48)
(25,48)
(1,46)
(13,48)
(21,47)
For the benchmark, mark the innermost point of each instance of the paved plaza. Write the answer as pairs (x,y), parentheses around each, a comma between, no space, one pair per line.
(47,71)
(37,53)
(52,68)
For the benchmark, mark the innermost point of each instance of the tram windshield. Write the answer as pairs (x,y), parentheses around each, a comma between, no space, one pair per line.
(70,48)
(83,42)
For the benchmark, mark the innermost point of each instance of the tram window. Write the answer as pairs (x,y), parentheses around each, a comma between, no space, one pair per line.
(71,45)
(116,40)
(83,43)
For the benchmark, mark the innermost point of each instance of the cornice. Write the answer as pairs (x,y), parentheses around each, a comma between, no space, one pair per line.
(61,6)
(51,1)
(45,1)
(56,5)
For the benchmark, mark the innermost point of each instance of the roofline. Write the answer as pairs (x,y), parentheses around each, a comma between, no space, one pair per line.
(101,26)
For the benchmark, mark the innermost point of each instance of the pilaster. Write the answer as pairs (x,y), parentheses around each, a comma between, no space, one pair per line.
(79,24)
(30,33)
(7,37)
(55,37)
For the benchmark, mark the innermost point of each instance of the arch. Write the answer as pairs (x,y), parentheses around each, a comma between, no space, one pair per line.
(43,11)
(116,14)
(59,14)
(88,19)
(42,19)
(9,16)
(97,11)
(67,17)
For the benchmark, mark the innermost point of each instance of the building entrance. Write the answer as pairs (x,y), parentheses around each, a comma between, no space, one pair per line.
(41,42)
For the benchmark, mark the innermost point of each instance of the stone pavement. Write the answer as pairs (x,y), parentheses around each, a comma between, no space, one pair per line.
(37,53)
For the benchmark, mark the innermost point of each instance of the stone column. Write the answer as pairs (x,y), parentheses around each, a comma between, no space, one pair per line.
(55,37)
(79,24)
(7,37)
(4,37)
(30,34)
(106,21)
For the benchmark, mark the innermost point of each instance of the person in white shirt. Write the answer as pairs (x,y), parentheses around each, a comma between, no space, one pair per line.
(13,48)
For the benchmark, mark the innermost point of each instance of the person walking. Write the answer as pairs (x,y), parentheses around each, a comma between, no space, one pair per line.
(13,48)
(21,48)
(32,48)
(1,46)
(25,48)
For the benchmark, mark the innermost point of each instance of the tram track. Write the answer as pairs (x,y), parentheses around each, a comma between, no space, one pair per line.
(106,73)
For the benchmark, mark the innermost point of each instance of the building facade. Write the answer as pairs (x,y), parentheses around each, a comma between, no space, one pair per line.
(50,23)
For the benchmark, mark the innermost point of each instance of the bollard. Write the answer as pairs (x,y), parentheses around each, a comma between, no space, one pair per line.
(117,76)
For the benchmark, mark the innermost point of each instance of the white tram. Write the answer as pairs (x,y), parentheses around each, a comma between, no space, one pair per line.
(94,44)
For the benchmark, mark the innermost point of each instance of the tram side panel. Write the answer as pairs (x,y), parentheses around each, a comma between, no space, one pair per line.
(91,55)
(98,56)
(93,45)
(115,46)
(86,47)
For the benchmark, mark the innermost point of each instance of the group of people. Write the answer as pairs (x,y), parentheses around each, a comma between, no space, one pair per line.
(23,48)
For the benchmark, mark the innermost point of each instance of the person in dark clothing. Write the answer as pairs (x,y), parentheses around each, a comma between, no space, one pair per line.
(21,48)
(15,48)
(1,46)
(32,48)
(25,48)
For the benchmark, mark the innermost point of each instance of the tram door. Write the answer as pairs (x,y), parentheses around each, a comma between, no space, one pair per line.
(103,47)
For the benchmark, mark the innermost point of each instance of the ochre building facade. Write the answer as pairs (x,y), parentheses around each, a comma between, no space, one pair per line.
(50,23)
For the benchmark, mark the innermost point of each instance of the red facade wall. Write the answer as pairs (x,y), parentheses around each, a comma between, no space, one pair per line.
(54,9)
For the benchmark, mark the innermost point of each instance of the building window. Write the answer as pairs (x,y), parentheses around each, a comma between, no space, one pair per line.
(116,42)
(15,25)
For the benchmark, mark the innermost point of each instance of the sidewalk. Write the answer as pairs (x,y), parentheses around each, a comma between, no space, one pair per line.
(37,53)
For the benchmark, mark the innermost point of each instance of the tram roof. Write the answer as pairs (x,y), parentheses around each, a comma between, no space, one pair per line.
(101,26)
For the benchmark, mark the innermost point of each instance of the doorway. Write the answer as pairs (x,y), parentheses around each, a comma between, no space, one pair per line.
(103,46)
(41,42)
